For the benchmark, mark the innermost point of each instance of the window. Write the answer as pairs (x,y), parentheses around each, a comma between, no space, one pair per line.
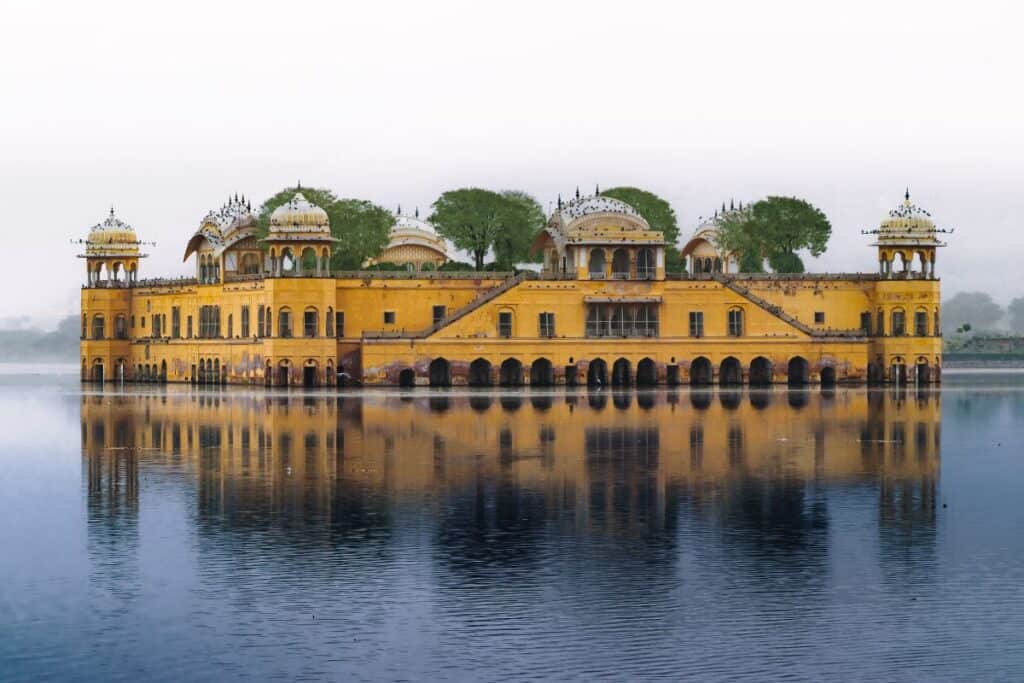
(188,329)
(865,323)
(389,317)
(899,323)
(921,323)
(98,324)
(245,321)
(270,323)
(284,323)
(439,313)
(736,322)
(505,324)
(880,328)
(133,322)
(339,324)
(85,325)
(696,323)
(231,325)
(142,321)
(121,327)
(309,322)
(329,322)
(819,317)
(155,331)
(261,325)
(176,322)
(936,329)
(209,322)
(645,264)
(547,324)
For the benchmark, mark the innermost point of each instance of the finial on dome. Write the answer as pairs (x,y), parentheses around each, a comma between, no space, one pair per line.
(399,209)
(597,190)
(111,210)
(298,185)
(723,207)
(559,201)
(732,207)
(906,195)
(577,192)
(417,212)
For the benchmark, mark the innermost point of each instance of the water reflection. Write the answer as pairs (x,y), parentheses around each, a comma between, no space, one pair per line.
(343,461)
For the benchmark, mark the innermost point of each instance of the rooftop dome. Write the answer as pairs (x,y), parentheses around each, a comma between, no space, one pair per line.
(907,224)
(599,220)
(585,206)
(299,218)
(113,237)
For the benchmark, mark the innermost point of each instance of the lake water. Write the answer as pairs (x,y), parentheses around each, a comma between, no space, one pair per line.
(173,533)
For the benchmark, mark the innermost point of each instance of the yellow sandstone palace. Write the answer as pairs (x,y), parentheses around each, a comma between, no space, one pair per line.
(601,311)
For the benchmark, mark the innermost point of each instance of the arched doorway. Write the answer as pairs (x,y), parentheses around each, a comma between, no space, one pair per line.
(597,373)
(268,374)
(163,372)
(730,372)
(700,372)
(828,377)
(216,371)
(440,373)
(97,371)
(622,373)
(760,372)
(511,373)
(283,374)
(407,378)
(541,373)
(646,373)
(798,372)
(480,373)
(922,373)
(309,372)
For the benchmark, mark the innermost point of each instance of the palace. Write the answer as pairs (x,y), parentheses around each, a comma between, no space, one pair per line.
(602,310)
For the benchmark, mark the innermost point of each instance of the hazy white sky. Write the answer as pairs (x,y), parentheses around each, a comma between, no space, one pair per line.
(163,110)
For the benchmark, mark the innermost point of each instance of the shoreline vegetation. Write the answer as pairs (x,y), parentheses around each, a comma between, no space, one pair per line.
(37,345)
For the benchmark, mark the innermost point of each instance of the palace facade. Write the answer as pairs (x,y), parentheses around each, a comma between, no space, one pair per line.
(602,310)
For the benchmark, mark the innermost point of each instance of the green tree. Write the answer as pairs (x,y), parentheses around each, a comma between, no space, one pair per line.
(970,310)
(525,220)
(478,220)
(361,227)
(775,229)
(1016,313)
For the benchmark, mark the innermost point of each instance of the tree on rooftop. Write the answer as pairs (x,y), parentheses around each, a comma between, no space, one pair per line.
(776,228)
(477,220)
(361,227)
(525,220)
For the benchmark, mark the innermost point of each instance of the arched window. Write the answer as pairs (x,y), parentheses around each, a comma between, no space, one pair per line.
(329,322)
(735,322)
(270,324)
(98,326)
(310,320)
(85,325)
(921,323)
(284,323)
(596,267)
(245,322)
(936,328)
(121,326)
(620,264)
(899,323)
(645,264)
(261,322)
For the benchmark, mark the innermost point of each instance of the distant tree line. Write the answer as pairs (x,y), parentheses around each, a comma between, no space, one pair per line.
(61,344)
(977,313)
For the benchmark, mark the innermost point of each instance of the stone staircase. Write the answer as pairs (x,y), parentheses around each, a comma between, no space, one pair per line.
(731,284)
(473,305)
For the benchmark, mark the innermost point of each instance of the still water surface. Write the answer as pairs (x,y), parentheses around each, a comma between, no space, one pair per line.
(173,533)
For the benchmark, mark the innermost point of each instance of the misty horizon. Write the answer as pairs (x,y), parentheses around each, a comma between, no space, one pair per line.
(700,105)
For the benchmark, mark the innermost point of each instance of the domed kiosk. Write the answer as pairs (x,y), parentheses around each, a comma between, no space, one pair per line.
(225,242)
(907,242)
(112,253)
(414,243)
(299,242)
(601,238)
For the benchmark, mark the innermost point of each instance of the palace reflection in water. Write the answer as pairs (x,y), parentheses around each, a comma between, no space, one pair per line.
(587,462)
